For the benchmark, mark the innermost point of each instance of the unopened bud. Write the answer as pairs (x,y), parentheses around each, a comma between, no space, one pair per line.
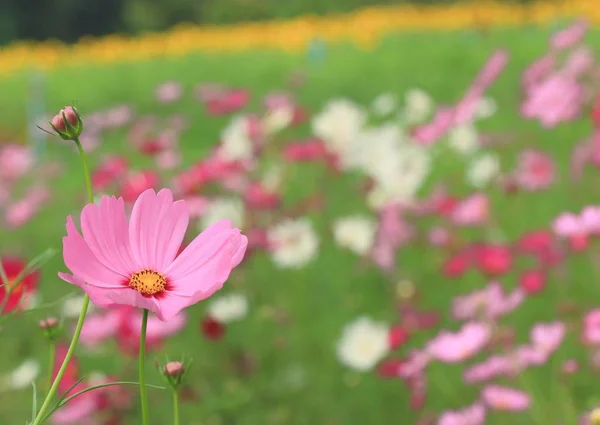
(51,327)
(67,123)
(174,373)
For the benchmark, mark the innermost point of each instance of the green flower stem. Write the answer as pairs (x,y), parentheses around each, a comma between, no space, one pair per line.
(175,408)
(142,368)
(65,364)
(51,360)
(39,419)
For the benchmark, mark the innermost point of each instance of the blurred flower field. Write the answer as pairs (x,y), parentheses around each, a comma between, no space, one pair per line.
(421,220)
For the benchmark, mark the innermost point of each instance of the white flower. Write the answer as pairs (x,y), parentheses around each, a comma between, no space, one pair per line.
(231,209)
(235,140)
(355,233)
(486,108)
(384,104)
(23,375)
(277,119)
(294,243)
(463,139)
(338,125)
(72,307)
(483,169)
(363,344)
(418,106)
(228,308)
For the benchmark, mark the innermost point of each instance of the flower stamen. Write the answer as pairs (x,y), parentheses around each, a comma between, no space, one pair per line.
(148,282)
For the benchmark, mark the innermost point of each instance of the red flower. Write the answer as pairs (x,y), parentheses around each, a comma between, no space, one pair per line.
(457,265)
(212,329)
(493,260)
(397,337)
(13,266)
(532,281)
(390,368)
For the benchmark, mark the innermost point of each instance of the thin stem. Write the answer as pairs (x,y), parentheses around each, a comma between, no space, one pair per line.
(39,419)
(65,364)
(86,171)
(142,369)
(175,408)
(51,360)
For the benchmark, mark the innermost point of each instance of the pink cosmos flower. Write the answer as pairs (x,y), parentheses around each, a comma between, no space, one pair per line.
(168,159)
(136,263)
(22,211)
(430,133)
(109,171)
(590,219)
(472,211)
(571,227)
(169,92)
(493,259)
(504,398)
(489,302)
(569,36)
(492,367)
(591,327)
(15,161)
(579,62)
(392,232)
(306,151)
(547,337)
(554,100)
(138,182)
(535,170)
(451,347)
(470,415)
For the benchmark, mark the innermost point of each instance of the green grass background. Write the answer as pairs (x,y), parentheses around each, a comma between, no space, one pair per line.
(333,290)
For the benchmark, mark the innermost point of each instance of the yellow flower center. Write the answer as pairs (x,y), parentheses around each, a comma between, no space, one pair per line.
(148,282)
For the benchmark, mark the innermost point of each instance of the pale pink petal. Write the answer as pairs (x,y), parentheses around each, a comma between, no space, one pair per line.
(81,261)
(76,411)
(99,327)
(104,228)
(133,298)
(157,229)
(98,295)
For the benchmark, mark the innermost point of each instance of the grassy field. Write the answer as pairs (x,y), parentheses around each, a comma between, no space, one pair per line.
(298,379)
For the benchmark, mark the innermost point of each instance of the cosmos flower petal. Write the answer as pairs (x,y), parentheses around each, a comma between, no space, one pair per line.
(206,263)
(129,296)
(83,263)
(98,295)
(104,228)
(157,228)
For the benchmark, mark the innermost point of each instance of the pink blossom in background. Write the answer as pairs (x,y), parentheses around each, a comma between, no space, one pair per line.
(138,182)
(430,133)
(117,117)
(258,197)
(306,151)
(547,337)
(109,171)
(590,219)
(439,236)
(504,398)
(569,36)
(23,210)
(169,92)
(196,206)
(227,101)
(99,327)
(579,62)
(415,364)
(535,170)
(15,161)
(553,101)
(591,327)
(470,415)
(135,263)
(168,159)
(456,347)
(532,281)
(491,368)
(457,264)
(490,302)
(472,211)
(571,227)
(393,231)
(537,72)
(535,242)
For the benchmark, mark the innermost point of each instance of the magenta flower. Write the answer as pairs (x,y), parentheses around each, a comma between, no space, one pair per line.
(136,263)
(504,398)
(456,347)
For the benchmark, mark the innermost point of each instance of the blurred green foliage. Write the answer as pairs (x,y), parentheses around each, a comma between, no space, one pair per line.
(68,20)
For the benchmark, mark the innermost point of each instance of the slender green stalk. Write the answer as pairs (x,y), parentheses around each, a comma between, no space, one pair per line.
(40,416)
(39,419)
(51,360)
(175,408)
(142,368)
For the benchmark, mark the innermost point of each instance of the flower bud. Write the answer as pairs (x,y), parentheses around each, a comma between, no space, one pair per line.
(67,123)
(51,327)
(174,372)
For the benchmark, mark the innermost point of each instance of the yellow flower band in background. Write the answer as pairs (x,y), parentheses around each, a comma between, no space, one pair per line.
(363,27)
